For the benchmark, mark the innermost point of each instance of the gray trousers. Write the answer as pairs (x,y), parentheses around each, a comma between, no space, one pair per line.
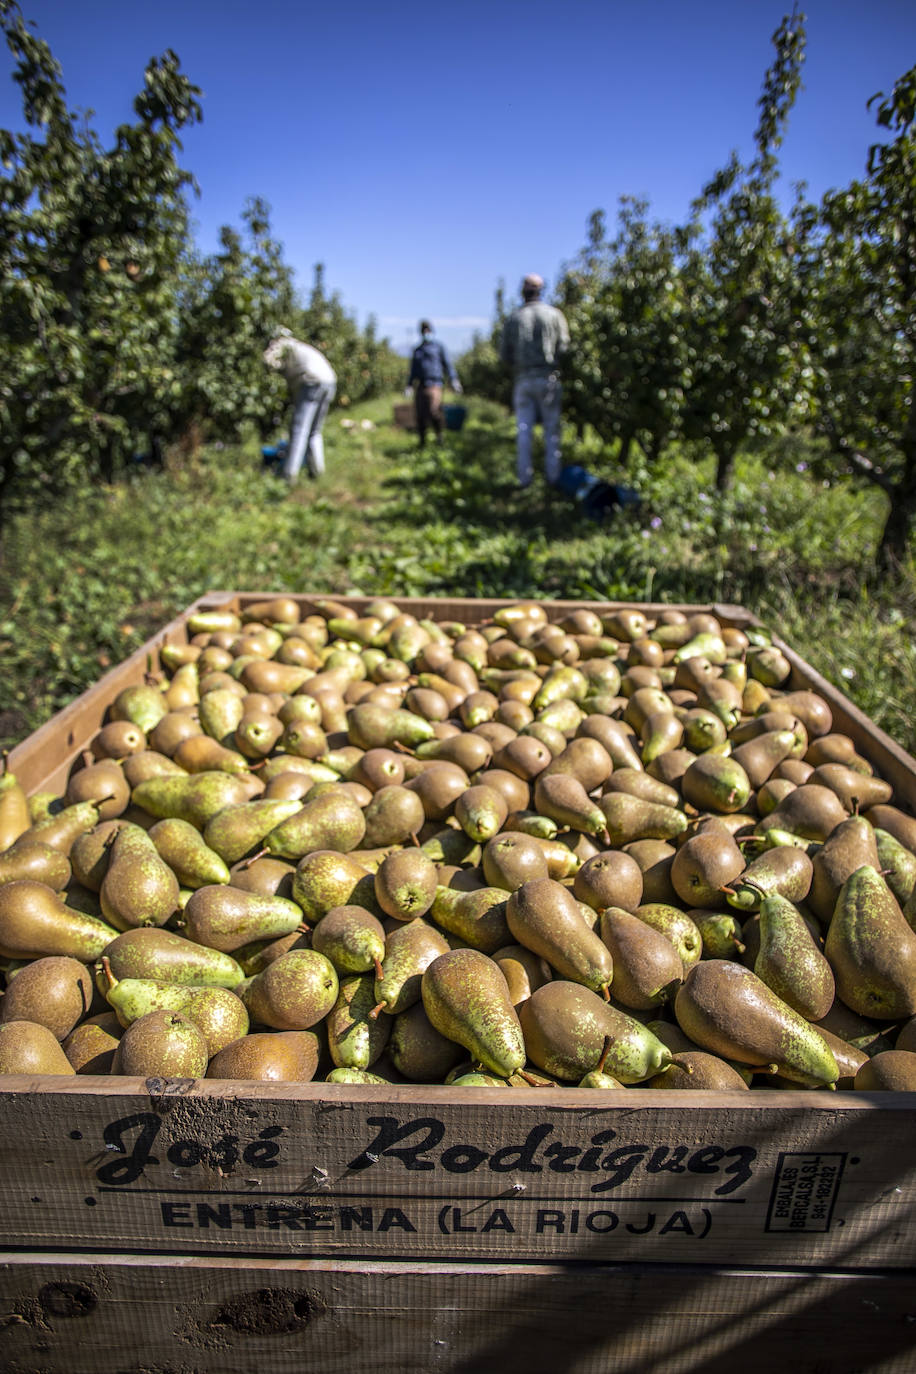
(310,406)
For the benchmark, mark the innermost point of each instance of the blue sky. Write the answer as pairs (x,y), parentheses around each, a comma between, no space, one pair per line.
(423,155)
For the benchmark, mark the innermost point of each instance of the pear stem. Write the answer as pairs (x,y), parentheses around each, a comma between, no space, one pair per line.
(106,967)
(605,1051)
(373,1015)
(379,971)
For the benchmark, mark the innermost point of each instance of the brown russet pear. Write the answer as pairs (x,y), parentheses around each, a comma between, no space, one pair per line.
(394,814)
(762,754)
(699,1071)
(902,826)
(264,874)
(630,818)
(810,708)
(726,1009)
(102,783)
(655,858)
(418,1051)
(812,811)
(55,991)
(139,888)
(890,1071)
(562,797)
(29,1048)
(466,999)
(850,845)
(161,1044)
(201,754)
(639,783)
(91,1045)
(149,763)
(35,921)
(585,758)
(545,917)
(647,968)
(523,970)
(37,861)
(512,858)
(857,791)
(704,865)
(566,1027)
(609,878)
(269,1057)
(872,949)
(178,725)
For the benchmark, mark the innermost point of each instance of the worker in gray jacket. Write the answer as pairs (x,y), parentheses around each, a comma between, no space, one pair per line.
(312,383)
(534,339)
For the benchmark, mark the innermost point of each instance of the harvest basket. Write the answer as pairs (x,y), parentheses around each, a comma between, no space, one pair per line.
(213,1225)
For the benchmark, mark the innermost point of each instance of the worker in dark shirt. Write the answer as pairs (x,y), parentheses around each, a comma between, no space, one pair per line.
(429,366)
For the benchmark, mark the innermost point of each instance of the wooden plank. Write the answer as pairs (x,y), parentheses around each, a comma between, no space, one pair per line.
(769,1178)
(94,1314)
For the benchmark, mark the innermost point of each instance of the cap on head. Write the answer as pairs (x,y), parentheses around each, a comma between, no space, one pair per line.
(425,327)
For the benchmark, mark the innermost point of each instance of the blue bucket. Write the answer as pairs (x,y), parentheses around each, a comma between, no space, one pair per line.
(454,416)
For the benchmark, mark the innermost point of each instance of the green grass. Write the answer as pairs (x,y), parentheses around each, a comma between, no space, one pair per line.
(84,582)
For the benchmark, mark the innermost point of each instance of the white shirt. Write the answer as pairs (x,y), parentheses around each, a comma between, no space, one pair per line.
(299,362)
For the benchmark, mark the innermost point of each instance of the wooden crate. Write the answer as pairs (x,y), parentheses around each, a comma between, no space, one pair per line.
(206,1225)
(405,415)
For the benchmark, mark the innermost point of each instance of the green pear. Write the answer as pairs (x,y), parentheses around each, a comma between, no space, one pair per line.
(566,1027)
(193,797)
(871,949)
(218,1013)
(409,951)
(225,918)
(295,992)
(352,938)
(790,962)
(239,829)
(333,820)
(467,1000)
(181,845)
(357,1032)
(139,888)
(149,952)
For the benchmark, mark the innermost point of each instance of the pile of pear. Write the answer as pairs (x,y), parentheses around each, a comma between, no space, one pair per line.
(553,848)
